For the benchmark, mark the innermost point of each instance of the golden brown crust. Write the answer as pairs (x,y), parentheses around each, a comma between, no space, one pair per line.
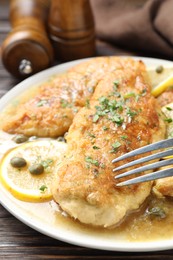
(50,112)
(121,116)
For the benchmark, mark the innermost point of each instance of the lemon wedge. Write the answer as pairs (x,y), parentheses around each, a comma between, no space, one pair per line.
(21,180)
(168,112)
(157,77)
(162,86)
(160,80)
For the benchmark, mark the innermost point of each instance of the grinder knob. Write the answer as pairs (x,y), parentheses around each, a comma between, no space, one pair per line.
(27,48)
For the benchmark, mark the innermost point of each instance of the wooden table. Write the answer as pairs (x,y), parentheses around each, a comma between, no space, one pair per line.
(20,241)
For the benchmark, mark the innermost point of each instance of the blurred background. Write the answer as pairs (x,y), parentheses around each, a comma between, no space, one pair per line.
(37,34)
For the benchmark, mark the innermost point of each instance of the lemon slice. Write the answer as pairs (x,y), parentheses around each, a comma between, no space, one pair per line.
(160,80)
(168,111)
(157,77)
(25,185)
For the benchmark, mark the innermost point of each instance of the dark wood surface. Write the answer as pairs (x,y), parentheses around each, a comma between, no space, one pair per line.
(18,241)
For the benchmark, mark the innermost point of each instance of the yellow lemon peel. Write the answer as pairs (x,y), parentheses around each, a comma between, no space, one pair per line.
(162,86)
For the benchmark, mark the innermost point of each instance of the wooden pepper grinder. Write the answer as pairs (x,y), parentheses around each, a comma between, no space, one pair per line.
(27,48)
(71,29)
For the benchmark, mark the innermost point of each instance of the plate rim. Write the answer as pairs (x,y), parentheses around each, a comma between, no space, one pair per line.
(7,201)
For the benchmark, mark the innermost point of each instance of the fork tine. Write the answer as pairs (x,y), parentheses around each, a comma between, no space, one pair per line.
(145,168)
(148,177)
(145,159)
(147,148)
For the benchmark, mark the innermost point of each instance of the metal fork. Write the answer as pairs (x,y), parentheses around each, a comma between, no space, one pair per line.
(168,143)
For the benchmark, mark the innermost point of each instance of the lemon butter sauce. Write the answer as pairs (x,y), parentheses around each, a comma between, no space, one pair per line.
(141,225)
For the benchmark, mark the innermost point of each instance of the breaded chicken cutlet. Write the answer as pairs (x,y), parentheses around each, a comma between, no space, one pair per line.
(122,115)
(50,112)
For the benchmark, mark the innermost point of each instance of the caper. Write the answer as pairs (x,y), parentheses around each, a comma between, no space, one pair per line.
(36,169)
(61,139)
(20,138)
(18,162)
(159,69)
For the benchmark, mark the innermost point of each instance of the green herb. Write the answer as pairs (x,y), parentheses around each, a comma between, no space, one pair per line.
(95,118)
(124,137)
(115,146)
(46,163)
(130,94)
(89,159)
(143,92)
(105,128)
(117,119)
(43,188)
(87,103)
(96,147)
(102,165)
(42,102)
(116,84)
(169,108)
(130,112)
(64,103)
(168,120)
(91,135)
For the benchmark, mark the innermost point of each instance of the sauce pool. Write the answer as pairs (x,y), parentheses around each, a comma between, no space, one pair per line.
(141,225)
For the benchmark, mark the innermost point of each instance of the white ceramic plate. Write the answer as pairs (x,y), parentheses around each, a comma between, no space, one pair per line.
(42,217)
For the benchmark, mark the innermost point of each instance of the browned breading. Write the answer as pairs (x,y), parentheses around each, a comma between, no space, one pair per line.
(122,115)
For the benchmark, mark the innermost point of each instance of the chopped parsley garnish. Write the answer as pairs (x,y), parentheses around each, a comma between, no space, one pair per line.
(143,92)
(117,119)
(115,146)
(130,94)
(169,108)
(87,103)
(64,103)
(42,102)
(109,108)
(91,135)
(105,128)
(102,165)
(168,120)
(112,109)
(95,118)
(46,163)
(130,112)
(124,137)
(89,159)
(96,147)
(43,188)
(116,84)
